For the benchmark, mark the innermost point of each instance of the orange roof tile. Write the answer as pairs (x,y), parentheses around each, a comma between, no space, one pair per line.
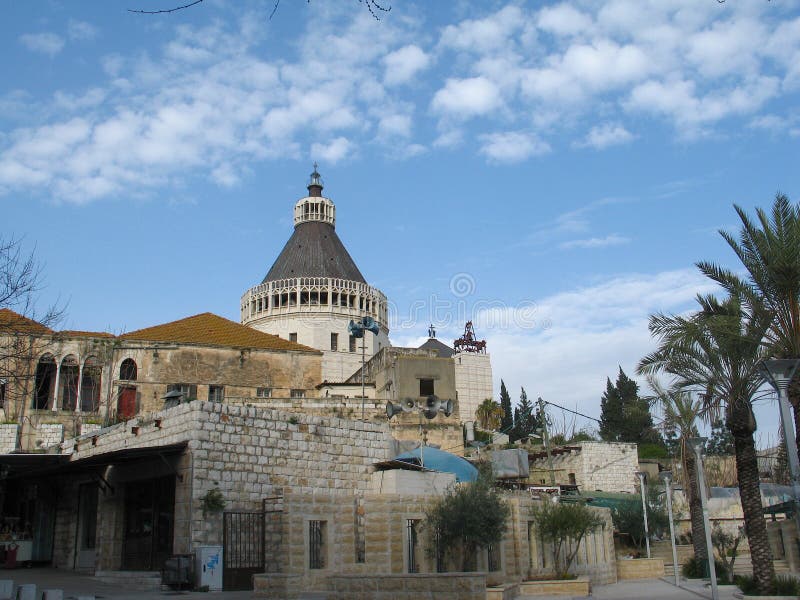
(208,328)
(11,322)
(74,333)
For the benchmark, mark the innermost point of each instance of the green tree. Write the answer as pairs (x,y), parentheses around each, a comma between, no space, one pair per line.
(624,416)
(489,414)
(525,421)
(467,517)
(565,526)
(507,423)
(716,352)
(720,442)
(769,249)
(627,516)
(681,413)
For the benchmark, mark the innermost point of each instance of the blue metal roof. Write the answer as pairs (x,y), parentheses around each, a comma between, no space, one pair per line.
(439,460)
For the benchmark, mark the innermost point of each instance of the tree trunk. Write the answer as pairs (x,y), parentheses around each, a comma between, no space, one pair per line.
(755,526)
(695,509)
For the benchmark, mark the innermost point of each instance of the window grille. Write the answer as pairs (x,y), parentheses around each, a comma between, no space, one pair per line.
(411,545)
(316,544)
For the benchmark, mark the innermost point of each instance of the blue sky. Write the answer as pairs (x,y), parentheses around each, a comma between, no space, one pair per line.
(552,171)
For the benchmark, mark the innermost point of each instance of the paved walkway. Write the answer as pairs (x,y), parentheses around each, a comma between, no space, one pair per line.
(74,585)
(649,589)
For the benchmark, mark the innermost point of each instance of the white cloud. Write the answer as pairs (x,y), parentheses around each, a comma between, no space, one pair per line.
(563,20)
(404,64)
(604,242)
(333,151)
(395,125)
(512,146)
(605,135)
(46,43)
(81,30)
(484,35)
(564,346)
(464,98)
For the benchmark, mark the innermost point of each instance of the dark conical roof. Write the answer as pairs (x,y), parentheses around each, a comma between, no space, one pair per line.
(443,349)
(314,250)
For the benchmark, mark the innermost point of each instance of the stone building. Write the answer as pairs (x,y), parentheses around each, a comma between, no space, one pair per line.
(304,507)
(592,466)
(65,382)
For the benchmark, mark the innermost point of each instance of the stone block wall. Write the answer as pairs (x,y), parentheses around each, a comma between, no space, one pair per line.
(473,382)
(8,437)
(596,466)
(440,586)
(49,434)
(248,453)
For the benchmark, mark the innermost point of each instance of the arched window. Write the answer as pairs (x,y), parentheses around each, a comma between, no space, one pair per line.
(44,382)
(128,370)
(69,382)
(90,384)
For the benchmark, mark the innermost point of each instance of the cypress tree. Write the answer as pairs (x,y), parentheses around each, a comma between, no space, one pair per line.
(507,422)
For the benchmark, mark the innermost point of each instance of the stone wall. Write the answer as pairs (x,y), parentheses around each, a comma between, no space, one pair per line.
(440,586)
(473,382)
(8,437)
(249,454)
(595,466)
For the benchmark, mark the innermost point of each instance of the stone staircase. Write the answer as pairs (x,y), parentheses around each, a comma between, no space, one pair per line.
(742,566)
(663,550)
(140,581)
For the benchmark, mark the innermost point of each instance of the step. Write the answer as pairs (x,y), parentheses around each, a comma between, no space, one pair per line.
(135,580)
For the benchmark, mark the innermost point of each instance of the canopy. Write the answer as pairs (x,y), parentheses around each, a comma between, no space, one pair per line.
(439,460)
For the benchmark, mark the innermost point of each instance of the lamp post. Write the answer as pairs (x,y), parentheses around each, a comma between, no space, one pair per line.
(666,477)
(642,487)
(697,444)
(778,372)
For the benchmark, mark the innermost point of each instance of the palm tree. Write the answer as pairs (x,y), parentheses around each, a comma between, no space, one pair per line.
(489,414)
(769,249)
(681,411)
(717,351)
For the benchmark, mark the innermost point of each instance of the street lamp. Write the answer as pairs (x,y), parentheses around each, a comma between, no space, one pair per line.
(642,475)
(778,372)
(666,477)
(697,444)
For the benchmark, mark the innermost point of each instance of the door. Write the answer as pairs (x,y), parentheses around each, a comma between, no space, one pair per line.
(243,549)
(149,518)
(87,527)
(126,403)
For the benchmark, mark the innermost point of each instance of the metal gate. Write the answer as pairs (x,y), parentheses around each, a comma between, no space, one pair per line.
(243,549)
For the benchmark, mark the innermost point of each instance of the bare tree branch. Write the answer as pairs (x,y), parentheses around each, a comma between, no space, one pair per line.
(165,10)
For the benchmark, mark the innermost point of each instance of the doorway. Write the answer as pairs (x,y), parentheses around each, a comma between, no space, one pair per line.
(126,403)
(87,527)
(149,520)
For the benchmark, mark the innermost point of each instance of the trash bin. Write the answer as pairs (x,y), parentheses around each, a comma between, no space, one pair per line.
(11,556)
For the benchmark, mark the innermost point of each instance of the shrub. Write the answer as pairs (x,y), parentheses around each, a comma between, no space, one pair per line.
(697,568)
(561,524)
(785,585)
(467,517)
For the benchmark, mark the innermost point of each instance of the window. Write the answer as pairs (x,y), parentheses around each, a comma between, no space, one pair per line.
(412,546)
(441,562)
(317,544)
(426,387)
(216,393)
(189,391)
(128,370)
(297,393)
(264,392)
(2,393)
(293,337)
(352,344)
(572,479)
(334,342)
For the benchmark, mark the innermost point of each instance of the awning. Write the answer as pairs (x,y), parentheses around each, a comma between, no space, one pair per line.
(37,465)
